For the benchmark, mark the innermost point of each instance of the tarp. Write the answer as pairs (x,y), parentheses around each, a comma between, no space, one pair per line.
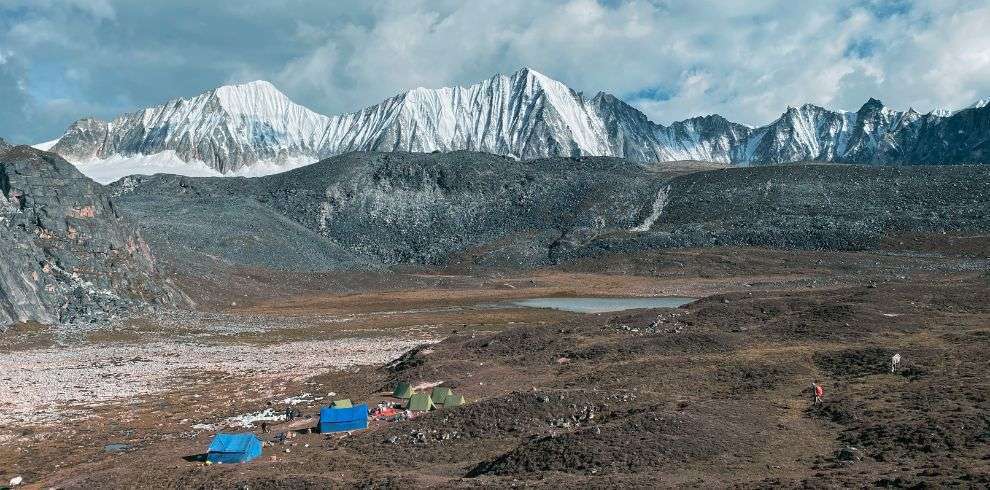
(233,448)
(439,393)
(344,419)
(403,390)
(453,400)
(383,413)
(345,403)
(420,402)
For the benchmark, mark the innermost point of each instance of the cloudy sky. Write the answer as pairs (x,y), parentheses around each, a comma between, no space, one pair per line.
(65,59)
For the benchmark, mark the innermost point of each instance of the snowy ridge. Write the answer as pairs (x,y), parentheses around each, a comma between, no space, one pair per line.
(228,128)
(526,115)
(254,129)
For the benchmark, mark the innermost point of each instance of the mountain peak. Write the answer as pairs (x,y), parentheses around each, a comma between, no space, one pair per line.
(255,88)
(527,71)
(871,105)
(252,97)
(537,79)
(252,85)
(254,128)
(980,103)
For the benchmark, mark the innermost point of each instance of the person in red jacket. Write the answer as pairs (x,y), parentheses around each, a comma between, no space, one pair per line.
(819,391)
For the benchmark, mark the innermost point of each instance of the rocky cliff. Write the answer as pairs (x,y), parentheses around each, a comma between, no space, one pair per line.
(68,255)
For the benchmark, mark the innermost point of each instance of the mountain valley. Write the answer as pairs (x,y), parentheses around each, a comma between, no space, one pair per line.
(142,317)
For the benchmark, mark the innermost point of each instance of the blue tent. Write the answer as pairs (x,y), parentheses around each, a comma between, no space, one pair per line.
(344,419)
(233,448)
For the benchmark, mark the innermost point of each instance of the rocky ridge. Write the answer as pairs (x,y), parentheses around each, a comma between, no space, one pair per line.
(436,208)
(69,255)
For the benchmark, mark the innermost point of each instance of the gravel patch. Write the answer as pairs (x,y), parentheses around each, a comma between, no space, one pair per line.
(49,384)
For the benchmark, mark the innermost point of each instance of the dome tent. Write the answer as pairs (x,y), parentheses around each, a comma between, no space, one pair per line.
(233,448)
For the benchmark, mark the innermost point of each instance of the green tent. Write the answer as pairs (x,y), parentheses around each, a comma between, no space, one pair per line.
(403,390)
(439,393)
(420,402)
(453,400)
(345,403)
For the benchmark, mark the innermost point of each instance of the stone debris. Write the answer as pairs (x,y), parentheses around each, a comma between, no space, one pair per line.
(65,381)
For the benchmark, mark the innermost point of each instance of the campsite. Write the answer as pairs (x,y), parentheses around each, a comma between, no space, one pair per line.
(604,244)
(674,396)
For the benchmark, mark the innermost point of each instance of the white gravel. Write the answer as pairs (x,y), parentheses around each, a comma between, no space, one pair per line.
(58,383)
(249,419)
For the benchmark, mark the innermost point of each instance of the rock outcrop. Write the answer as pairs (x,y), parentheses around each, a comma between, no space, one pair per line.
(68,256)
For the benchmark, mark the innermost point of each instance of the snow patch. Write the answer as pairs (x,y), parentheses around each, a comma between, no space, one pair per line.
(303,398)
(46,145)
(663,196)
(248,420)
(115,168)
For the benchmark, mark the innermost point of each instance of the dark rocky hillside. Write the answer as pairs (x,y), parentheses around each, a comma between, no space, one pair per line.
(68,256)
(388,208)
(962,138)
(836,207)
(361,209)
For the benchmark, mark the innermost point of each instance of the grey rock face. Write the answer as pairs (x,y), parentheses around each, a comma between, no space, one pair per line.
(961,138)
(68,255)
(198,225)
(361,209)
(835,207)
(85,139)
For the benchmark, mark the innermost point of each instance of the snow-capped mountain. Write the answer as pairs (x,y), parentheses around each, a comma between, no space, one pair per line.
(526,115)
(980,103)
(227,128)
(253,128)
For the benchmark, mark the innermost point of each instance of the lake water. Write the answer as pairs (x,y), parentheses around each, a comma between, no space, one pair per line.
(603,305)
(116,448)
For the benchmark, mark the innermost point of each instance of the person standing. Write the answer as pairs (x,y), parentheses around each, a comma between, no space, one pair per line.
(819,392)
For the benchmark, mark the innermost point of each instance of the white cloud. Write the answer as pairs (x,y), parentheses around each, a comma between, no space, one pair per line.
(745,60)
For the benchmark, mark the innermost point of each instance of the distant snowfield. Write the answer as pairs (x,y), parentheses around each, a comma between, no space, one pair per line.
(46,145)
(167,162)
